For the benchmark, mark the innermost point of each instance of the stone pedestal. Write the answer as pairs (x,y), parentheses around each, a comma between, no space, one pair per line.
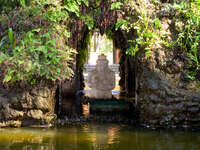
(101,80)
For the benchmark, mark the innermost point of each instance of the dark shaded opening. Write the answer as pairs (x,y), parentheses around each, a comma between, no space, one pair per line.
(127,70)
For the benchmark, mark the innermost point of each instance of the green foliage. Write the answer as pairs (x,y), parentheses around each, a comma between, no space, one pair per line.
(38,56)
(121,23)
(8,5)
(116,5)
(146,26)
(89,21)
(73,6)
(35,44)
(12,37)
(150,34)
(8,42)
(42,53)
(157,23)
(83,53)
(188,27)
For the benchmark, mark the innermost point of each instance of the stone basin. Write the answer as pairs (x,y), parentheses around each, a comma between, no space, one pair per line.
(109,105)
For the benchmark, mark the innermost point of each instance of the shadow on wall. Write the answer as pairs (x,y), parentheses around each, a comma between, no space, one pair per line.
(66,99)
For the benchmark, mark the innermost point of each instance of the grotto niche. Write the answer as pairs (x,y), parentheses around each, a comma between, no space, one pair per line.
(80,38)
(163,95)
(155,74)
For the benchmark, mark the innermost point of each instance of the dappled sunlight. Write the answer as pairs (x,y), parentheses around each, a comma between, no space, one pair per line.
(100,45)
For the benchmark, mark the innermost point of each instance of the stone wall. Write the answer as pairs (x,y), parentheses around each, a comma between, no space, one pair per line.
(165,97)
(27,107)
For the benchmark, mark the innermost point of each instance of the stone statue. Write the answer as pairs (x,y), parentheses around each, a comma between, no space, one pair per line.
(101,80)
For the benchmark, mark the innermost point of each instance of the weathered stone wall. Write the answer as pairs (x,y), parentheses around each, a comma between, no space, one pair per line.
(27,107)
(165,97)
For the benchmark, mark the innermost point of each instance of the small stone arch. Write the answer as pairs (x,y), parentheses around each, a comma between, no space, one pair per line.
(80,33)
(164,96)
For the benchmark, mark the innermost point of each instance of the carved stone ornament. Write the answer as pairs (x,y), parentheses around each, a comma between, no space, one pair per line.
(101,80)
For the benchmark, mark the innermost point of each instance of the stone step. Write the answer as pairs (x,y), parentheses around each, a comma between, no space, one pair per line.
(110,105)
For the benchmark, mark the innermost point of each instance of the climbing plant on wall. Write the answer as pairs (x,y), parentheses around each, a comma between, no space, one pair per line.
(144,17)
(34,34)
(188,27)
(33,44)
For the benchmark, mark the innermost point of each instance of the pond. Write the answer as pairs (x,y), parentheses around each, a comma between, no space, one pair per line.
(98,137)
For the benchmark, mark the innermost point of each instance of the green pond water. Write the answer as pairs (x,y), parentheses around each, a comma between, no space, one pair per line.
(98,137)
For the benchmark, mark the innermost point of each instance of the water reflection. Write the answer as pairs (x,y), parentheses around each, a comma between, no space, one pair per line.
(101,137)
(97,137)
(86,111)
(113,134)
(26,139)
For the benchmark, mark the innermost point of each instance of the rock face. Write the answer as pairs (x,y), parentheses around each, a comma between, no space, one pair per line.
(27,107)
(101,80)
(165,98)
